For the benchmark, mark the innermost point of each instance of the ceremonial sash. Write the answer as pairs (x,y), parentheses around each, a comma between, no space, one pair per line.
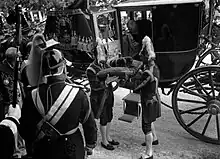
(57,110)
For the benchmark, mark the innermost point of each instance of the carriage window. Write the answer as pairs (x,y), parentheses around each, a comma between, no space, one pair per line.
(143,19)
(175,28)
(107,26)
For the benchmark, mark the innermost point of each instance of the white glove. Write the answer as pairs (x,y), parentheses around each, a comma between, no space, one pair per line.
(14,112)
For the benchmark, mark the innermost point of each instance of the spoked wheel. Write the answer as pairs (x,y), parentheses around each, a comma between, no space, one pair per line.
(209,58)
(196,103)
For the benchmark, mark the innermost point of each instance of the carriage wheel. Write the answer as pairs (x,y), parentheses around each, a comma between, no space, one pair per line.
(208,58)
(198,112)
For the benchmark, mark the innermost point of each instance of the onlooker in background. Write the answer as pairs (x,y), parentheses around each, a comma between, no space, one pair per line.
(7,82)
(215,30)
(133,39)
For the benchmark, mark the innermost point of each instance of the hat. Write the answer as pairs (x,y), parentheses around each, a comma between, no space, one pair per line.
(50,43)
(52,62)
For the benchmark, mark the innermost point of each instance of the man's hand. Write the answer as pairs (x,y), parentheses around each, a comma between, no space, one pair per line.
(14,112)
(111,79)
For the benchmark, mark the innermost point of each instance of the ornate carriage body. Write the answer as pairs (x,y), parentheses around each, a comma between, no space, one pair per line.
(195,92)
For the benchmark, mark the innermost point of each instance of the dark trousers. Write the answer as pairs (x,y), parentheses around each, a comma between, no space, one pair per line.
(2,112)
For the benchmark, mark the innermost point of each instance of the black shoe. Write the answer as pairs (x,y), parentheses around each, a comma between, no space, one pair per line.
(151,157)
(113,142)
(108,146)
(156,142)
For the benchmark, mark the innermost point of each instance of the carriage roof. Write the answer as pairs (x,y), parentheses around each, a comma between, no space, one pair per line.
(134,3)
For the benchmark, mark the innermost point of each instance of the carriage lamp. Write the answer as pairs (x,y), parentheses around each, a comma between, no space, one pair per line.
(174,6)
(6,82)
(196,5)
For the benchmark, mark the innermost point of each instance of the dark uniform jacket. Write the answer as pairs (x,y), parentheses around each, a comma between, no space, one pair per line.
(7,139)
(150,100)
(98,87)
(6,88)
(67,146)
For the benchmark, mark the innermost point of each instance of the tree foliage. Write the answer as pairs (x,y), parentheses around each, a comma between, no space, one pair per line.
(47,4)
(30,4)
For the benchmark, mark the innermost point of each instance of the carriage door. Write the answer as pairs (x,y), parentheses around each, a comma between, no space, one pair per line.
(176,27)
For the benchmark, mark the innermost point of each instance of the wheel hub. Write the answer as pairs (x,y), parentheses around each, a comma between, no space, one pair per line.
(214,107)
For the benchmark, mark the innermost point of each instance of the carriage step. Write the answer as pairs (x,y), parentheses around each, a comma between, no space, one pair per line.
(132,105)
(133,97)
(127,118)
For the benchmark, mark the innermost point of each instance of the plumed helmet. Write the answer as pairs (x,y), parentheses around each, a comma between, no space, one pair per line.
(53,63)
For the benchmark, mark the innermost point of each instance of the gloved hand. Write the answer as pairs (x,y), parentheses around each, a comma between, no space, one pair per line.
(14,112)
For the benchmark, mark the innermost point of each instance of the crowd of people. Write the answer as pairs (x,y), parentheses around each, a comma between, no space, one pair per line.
(45,121)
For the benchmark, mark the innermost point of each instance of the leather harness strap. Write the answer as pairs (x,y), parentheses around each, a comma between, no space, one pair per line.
(64,106)
(57,110)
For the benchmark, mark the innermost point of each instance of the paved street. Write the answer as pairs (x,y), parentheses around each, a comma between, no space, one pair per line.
(175,142)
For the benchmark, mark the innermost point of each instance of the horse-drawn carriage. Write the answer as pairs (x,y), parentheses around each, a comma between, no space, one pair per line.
(195,93)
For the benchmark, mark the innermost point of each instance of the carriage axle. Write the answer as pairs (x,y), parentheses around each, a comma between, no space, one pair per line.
(214,107)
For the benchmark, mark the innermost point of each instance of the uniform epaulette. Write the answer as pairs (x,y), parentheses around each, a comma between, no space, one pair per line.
(75,85)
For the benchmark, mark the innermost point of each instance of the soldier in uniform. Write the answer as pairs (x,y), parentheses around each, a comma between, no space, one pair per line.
(52,113)
(101,97)
(7,82)
(8,130)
